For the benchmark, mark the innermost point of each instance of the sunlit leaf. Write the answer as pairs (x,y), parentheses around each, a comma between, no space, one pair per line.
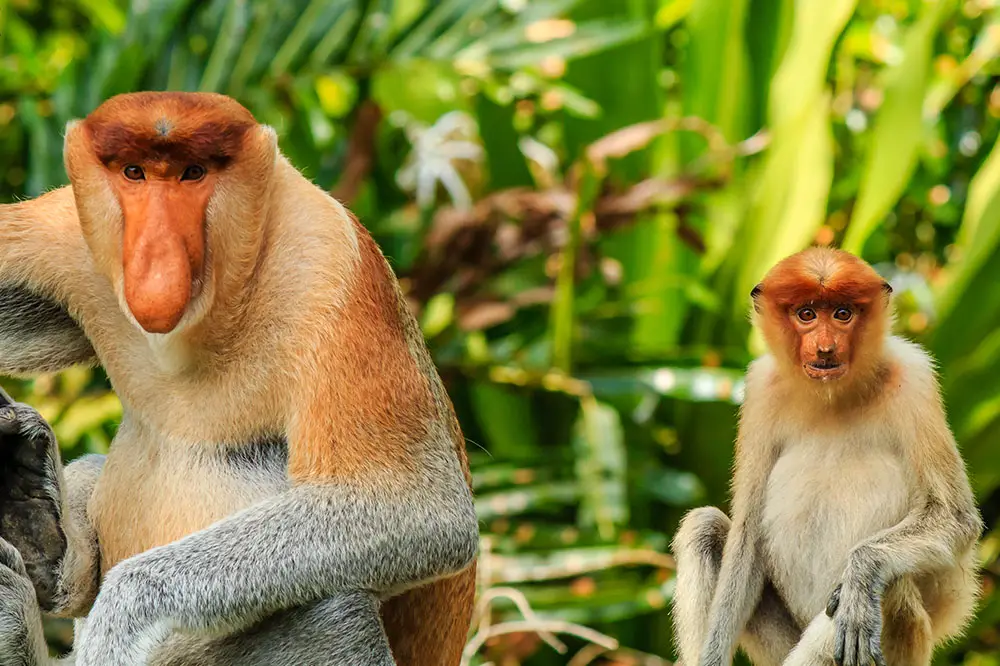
(898,129)
(601,467)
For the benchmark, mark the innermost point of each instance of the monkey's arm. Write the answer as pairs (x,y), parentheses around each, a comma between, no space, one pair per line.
(44,262)
(944,521)
(933,536)
(314,541)
(936,534)
(741,576)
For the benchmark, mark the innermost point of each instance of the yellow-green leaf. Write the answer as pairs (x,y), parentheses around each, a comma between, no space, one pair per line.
(898,129)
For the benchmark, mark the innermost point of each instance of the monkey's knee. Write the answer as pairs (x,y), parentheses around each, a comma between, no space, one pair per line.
(950,598)
(702,533)
(359,637)
(907,637)
(697,548)
(343,630)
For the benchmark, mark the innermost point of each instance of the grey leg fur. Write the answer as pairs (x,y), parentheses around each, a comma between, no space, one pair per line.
(278,554)
(771,632)
(341,631)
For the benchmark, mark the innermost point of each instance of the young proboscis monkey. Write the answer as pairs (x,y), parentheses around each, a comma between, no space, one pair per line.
(288,485)
(853,531)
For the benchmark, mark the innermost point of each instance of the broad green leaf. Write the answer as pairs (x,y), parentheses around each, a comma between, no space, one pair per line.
(505,416)
(587,39)
(790,210)
(227,44)
(599,444)
(898,130)
(717,65)
(296,41)
(672,12)
(787,210)
(106,14)
(801,76)
(428,26)
(979,236)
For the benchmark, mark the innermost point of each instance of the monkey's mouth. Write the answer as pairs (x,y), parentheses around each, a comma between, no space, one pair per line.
(825,368)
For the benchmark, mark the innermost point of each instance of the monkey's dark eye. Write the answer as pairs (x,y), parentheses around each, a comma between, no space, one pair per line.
(843,314)
(133,172)
(806,314)
(193,172)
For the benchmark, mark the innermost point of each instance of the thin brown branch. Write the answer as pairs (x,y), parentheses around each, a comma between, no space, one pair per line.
(360,152)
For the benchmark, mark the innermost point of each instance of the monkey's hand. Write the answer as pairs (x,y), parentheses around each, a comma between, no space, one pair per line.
(30,496)
(857,614)
(22,642)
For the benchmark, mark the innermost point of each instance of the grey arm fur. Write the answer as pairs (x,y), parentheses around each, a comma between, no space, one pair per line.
(932,536)
(37,334)
(278,555)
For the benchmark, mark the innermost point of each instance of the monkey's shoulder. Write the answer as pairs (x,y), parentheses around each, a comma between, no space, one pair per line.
(911,374)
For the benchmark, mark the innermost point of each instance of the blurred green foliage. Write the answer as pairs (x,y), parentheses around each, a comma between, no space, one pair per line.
(577,196)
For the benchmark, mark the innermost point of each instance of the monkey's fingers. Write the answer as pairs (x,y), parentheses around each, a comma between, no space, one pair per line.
(851,649)
(9,424)
(834,603)
(839,639)
(875,647)
(11,558)
(864,654)
(5,398)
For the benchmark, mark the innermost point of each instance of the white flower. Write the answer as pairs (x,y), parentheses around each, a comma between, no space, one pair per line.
(436,150)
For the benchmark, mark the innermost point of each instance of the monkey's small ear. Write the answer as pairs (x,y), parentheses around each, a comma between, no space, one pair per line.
(754,293)
(887,288)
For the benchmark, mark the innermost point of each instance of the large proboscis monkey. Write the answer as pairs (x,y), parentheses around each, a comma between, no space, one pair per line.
(853,534)
(289,483)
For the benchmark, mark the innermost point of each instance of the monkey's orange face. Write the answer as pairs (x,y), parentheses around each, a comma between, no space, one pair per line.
(825,333)
(163,244)
(164,155)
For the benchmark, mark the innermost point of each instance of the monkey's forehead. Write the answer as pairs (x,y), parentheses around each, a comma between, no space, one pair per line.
(796,288)
(191,106)
(169,126)
(822,275)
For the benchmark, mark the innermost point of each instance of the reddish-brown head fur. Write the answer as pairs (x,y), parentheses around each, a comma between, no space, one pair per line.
(824,311)
(163,154)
